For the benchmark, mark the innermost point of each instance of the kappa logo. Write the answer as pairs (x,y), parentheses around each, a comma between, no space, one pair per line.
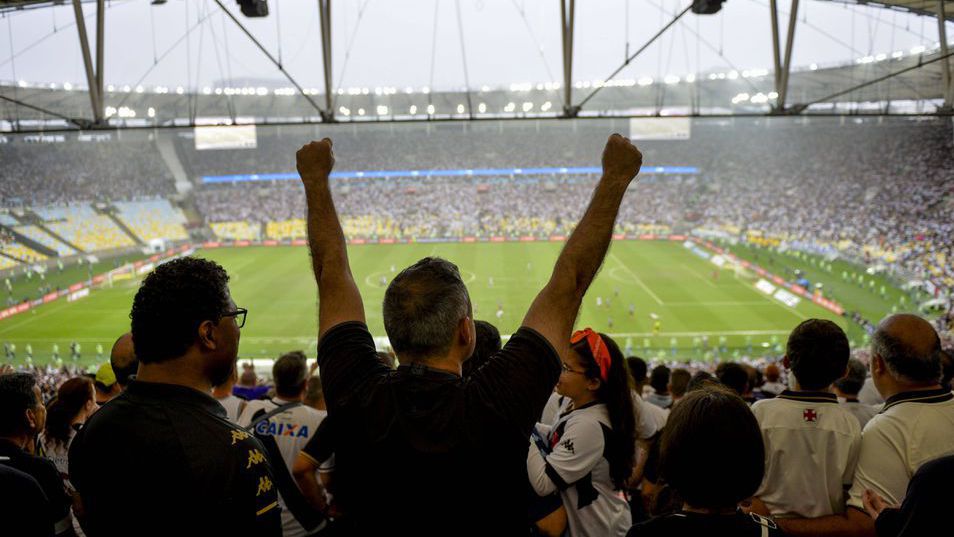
(238,436)
(809,415)
(568,445)
(264,485)
(282,429)
(254,457)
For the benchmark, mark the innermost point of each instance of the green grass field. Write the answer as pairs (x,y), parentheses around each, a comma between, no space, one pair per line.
(701,316)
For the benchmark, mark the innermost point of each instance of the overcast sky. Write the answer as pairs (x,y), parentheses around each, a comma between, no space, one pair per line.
(394,42)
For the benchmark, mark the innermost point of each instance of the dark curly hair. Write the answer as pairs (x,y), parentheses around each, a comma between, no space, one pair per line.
(70,399)
(172,302)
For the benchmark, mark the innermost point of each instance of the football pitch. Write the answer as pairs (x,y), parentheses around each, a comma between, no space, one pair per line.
(702,312)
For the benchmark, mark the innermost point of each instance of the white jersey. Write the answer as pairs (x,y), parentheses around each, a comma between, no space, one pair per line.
(292,429)
(578,468)
(232,406)
(811,450)
(913,428)
(59,454)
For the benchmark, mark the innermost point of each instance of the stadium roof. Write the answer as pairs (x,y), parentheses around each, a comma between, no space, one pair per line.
(921,7)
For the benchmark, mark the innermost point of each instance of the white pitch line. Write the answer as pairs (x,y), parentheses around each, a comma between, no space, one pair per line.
(638,280)
(711,333)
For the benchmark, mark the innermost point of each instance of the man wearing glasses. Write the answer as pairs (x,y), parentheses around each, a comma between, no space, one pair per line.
(420,451)
(161,458)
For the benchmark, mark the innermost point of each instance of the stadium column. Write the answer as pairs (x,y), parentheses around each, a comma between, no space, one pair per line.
(567,11)
(95,96)
(787,67)
(945,63)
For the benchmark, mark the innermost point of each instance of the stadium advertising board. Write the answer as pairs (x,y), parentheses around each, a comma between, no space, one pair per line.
(225,137)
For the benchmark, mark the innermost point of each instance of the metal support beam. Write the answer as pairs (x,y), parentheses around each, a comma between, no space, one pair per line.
(634,55)
(94,96)
(270,57)
(100,48)
(567,22)
(776,55)
(945,65)
(787,67)
(324,11)
(799,108)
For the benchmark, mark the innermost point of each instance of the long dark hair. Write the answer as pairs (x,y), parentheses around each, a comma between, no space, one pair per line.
(616,395)
(70,399)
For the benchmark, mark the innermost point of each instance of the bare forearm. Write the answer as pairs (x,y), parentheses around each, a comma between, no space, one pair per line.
(584,251)
(852,523)
(326,239)
(312,490)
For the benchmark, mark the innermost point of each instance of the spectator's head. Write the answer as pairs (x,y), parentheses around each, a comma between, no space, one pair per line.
(248,379)
(22,414)
(594,371)
(105,383)
(123,360)
(75,401)
(637,371)
(817,354)
(712,437)
(427,313)
(733,376)
(772,373)
(905,354)
(659,379)
(700,380)
(183,317)
(488,342)
(290,374)
(314,395)
(679,382)
(849,385)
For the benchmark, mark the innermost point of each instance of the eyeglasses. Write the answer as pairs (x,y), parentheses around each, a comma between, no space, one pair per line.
(239,315)
(568,369)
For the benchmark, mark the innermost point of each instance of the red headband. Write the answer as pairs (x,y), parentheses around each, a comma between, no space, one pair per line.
(597,348)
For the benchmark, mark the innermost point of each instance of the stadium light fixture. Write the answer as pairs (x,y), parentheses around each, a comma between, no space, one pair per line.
(382,110)
(110,111)
(918,49)
(897,54)
(344,111)
(482,107)
(511,106)
(360,111)
(430,109)
(460,109)
(546,106)
(67,86)
(671,79)
(413,109)
(645,81)
(179,90)
(151,112)
(733,74)
(110,88)
(425,90)
(140,89)
(690,78)
(813,67)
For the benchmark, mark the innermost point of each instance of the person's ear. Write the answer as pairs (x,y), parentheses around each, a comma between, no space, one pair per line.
(877,366)
(31,418)
(466,332)
(207,335)
(593,384)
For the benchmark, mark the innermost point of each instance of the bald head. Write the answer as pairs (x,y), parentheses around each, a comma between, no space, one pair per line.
(123,359)
(910,348)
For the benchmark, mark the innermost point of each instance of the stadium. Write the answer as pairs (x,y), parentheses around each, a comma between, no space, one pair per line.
(797,164)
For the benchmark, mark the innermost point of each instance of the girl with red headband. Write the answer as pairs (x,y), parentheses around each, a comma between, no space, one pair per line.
(587,455)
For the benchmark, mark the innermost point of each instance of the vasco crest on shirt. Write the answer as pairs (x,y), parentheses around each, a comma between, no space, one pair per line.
(809,415)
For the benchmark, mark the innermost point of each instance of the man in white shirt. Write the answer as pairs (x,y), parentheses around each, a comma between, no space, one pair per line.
(291,428)
(811,442)
(915,426)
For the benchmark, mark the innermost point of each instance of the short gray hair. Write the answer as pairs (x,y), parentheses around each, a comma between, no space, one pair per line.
(422,307)
(905,361)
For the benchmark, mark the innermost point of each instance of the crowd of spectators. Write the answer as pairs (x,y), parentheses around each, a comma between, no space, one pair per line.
(875,192)
(39,174)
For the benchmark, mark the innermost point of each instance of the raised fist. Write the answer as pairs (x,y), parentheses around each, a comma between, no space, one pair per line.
(621,159)
(315,161)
